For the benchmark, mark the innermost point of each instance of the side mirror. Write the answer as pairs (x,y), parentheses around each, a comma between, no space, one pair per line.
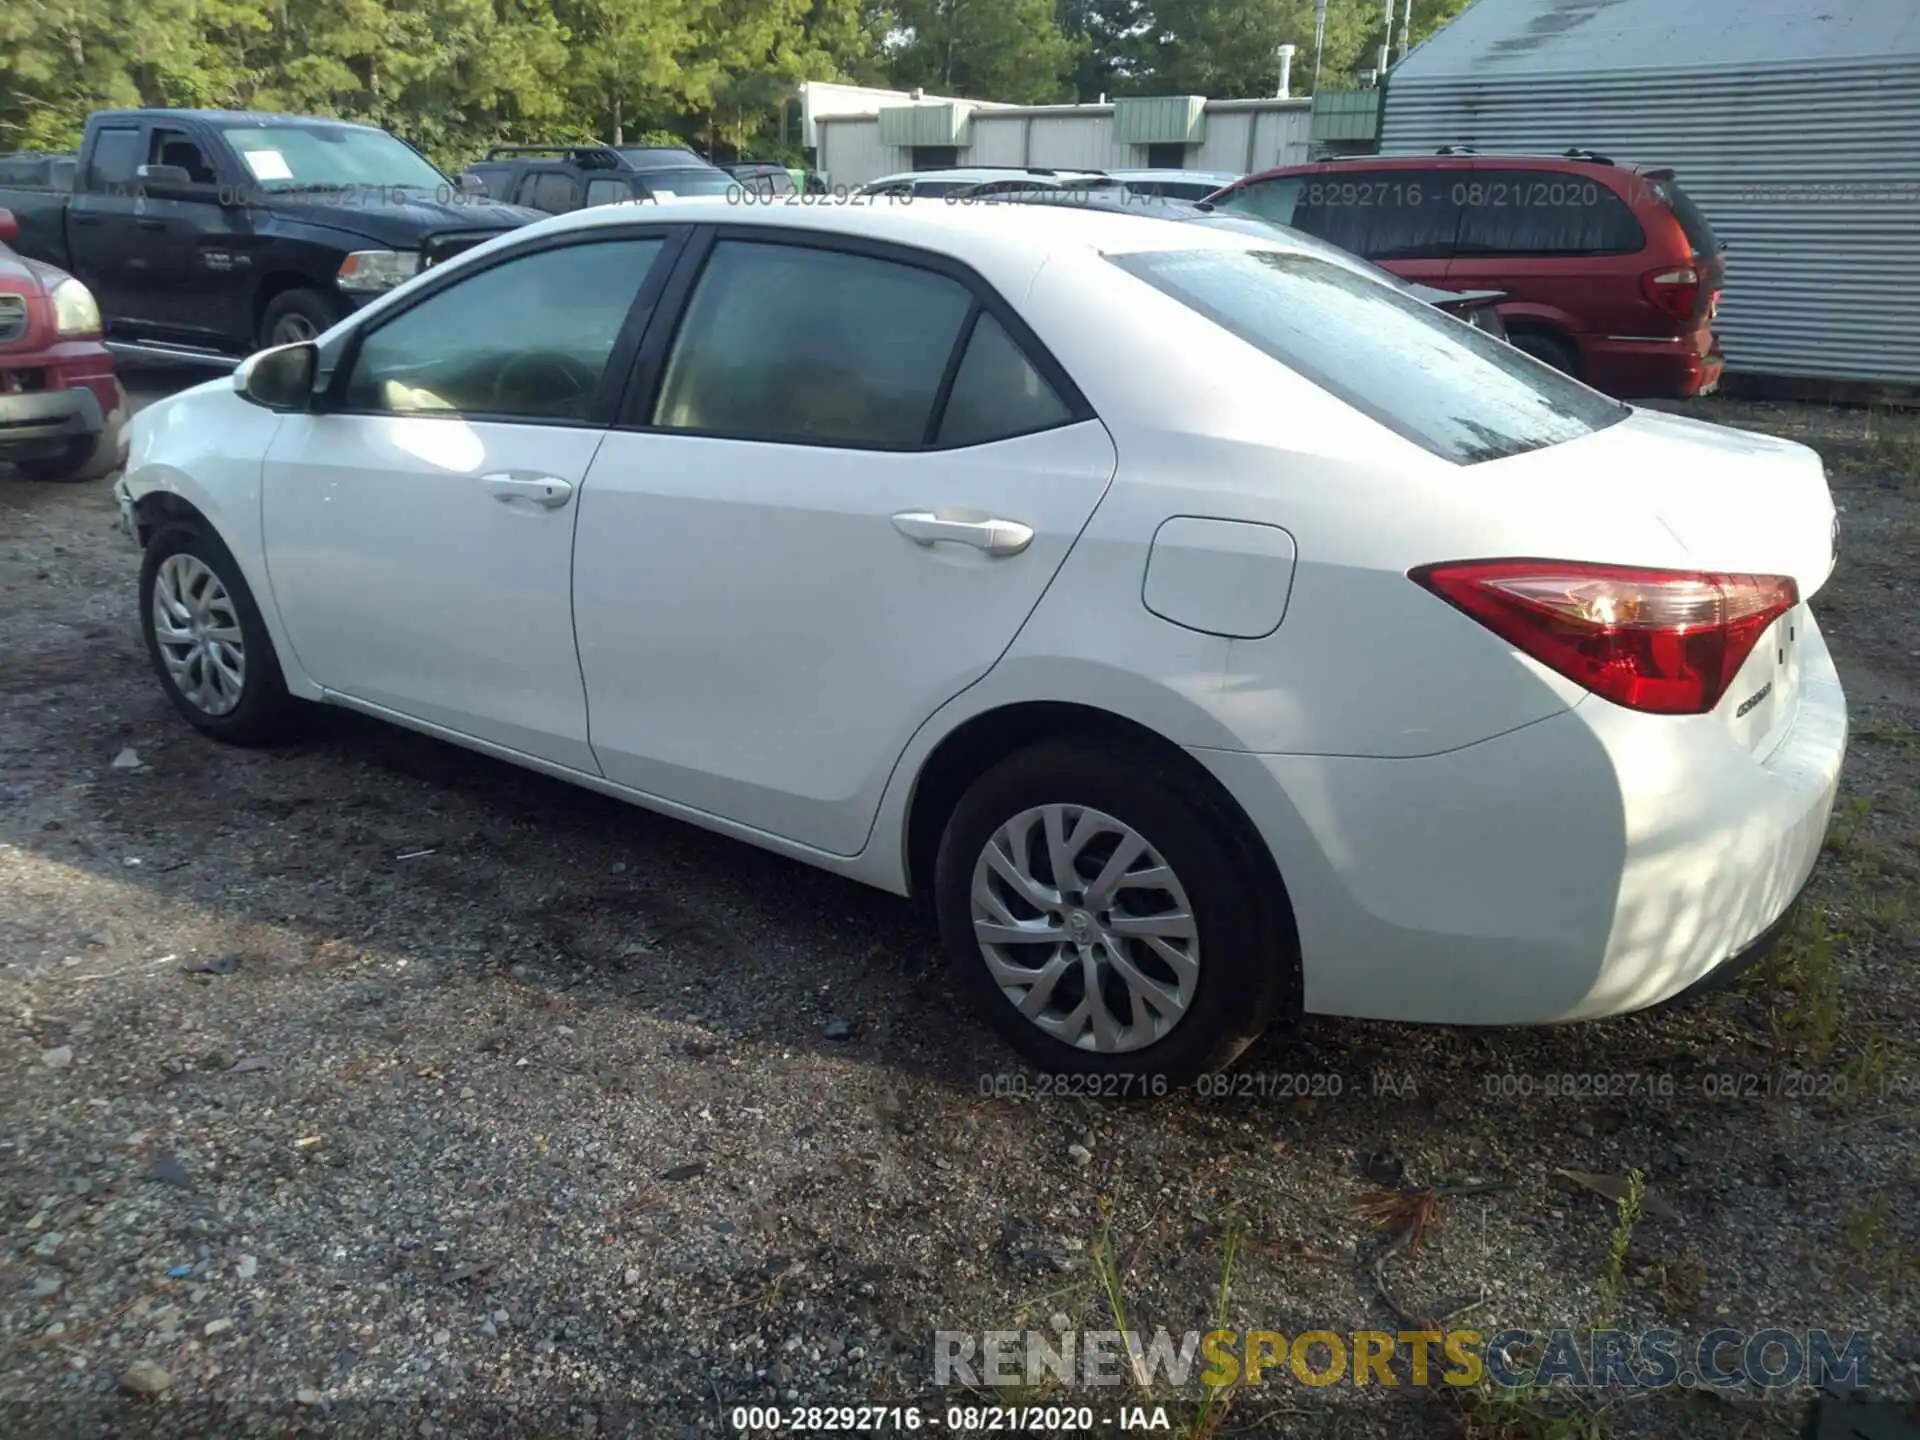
(9,227)
(471,184)
(164,177)
(280,378)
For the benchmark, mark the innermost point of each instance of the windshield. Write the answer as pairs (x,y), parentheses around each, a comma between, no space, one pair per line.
(297,157)
(1434,380)
(690,180)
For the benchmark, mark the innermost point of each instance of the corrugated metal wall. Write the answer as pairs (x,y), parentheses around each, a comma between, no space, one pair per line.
(850,153)
(1240,136)
(1809,172)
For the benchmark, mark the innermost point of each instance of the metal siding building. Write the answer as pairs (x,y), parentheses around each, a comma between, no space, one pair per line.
(1234,135)
(1794,126)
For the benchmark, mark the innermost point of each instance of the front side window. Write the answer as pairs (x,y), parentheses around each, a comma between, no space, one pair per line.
(175,147)
(608,192)
(1441,384)
(1541,212)
(790,342)
(527,339)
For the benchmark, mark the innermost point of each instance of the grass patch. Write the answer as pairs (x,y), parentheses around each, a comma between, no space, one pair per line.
(1627,1216)
(1803,976)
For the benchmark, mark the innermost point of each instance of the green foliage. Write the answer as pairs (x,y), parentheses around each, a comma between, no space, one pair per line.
(454,76)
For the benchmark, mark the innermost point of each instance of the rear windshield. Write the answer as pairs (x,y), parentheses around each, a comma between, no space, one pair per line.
(1692,220)
(1435,380)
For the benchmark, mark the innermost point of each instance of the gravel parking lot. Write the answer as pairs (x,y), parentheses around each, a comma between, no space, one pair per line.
(371,1086)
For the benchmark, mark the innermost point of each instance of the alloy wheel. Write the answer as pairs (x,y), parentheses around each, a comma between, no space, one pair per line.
(292,328)
(198,633)
(1085,928)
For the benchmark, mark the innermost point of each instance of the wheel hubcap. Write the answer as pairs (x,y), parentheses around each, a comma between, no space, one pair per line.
(198,633)
(289,329)
(1085,928)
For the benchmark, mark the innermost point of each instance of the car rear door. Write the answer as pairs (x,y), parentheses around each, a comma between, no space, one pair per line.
(843,479)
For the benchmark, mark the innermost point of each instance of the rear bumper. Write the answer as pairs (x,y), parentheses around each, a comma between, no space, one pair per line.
(42,423)
(1590,864)
(1652,368)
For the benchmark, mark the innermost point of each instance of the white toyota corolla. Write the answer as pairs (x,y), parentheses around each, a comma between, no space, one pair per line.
(1214,632)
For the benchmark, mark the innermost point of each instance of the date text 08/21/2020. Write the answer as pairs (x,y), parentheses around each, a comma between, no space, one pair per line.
(973,1419)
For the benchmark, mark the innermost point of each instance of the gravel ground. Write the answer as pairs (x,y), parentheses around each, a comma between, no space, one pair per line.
(370,1086)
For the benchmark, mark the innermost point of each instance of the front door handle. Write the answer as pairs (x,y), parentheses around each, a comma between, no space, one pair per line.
(150,224)
(549,492)
(996,537)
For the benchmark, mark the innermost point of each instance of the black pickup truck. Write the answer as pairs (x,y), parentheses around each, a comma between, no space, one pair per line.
(208,234)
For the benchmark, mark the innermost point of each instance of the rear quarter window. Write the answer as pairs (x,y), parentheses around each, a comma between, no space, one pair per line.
(1693,220)
(1436,381)
(1541,212)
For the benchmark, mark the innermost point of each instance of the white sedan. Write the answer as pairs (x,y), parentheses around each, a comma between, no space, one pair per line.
(1216,634)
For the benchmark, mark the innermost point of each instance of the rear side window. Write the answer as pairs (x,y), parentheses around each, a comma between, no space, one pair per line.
(788,342)
(1692,219)
(116,154)
(1541,212)
(549,190)
(1443,385)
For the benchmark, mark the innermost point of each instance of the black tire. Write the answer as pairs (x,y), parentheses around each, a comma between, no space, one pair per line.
(90,458)
(1249,963)
(1550,349)
(296,315)
(265,712)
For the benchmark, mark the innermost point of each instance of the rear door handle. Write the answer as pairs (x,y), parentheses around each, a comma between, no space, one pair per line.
(83,219)
(549,492)
(996,537)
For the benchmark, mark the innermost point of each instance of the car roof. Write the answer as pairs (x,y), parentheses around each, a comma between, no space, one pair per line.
(1214,177)
(232,117)
(978,174)
(1189,212)
(983,233)
(1584,162)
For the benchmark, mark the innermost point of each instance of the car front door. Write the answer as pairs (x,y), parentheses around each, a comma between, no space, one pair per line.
(196,244)
(419,529)
(842,483)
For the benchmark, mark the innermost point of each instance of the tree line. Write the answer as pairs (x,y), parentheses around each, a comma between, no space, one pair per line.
(454,76)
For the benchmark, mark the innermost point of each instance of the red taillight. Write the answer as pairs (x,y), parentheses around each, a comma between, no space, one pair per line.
(1674,289)
(1664,641)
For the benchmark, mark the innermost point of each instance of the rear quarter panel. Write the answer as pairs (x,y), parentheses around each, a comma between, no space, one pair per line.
(1365,661)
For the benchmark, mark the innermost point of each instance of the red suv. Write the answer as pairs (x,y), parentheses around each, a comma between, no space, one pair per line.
(62,412)
(1612,274)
